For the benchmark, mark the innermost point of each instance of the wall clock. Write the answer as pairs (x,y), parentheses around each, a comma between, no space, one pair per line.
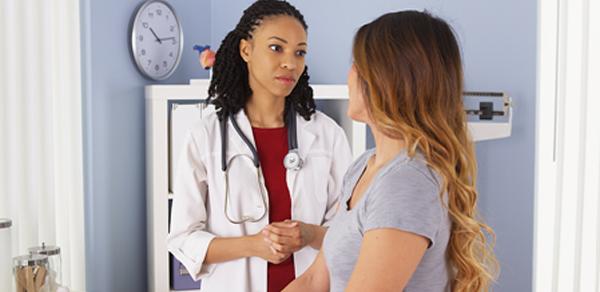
(156,39)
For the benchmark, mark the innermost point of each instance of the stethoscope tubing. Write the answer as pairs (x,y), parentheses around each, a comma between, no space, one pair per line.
(244,218)
(292,161)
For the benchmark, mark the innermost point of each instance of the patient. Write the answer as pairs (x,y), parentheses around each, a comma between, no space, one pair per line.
(408,215)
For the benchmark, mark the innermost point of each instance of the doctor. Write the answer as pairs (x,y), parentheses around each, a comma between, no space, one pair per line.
(259,178)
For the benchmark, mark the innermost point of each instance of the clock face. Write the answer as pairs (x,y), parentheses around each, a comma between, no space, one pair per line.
(156,39)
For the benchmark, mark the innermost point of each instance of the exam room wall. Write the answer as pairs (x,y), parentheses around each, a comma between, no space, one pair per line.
(114,138)
(498,39)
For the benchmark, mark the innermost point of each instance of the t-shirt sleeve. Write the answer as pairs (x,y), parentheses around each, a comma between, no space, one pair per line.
(406,199)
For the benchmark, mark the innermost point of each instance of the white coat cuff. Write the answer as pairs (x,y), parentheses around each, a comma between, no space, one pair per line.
(191,253)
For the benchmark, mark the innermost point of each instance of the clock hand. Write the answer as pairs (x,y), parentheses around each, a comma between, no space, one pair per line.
(157,38)
(169,38)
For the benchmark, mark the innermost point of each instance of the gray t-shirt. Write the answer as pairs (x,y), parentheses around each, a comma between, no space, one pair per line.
(404,194)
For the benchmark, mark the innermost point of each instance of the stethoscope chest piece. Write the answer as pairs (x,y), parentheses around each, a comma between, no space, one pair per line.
(292,160)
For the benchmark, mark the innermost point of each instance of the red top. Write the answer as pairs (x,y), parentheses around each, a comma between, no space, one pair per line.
(272,146)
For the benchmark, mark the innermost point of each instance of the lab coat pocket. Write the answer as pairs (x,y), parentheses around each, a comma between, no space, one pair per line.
(320,169)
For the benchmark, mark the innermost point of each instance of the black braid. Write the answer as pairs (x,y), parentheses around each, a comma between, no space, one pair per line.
(229,88)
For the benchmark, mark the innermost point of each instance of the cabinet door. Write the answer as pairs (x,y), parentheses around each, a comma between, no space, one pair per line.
(183,116)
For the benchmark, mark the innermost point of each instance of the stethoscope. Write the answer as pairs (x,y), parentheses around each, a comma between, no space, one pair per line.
(291,161)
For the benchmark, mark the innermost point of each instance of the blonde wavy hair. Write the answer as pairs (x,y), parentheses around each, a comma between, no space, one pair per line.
(410,71)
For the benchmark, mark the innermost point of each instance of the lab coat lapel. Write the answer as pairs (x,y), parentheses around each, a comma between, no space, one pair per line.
(306,138)
(236,144)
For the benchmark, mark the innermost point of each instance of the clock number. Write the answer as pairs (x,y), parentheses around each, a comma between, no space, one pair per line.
(141,38)
(143,52)
(174,41)
(167,16)
(171,54)
(151,14)
(156,67)
(149,62)
(165,64)
(158,12)
(145,24)
(172,28)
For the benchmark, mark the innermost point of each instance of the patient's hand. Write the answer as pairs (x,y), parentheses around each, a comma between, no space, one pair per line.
(289,236)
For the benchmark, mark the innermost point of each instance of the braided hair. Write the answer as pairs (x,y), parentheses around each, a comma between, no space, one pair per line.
(229,88)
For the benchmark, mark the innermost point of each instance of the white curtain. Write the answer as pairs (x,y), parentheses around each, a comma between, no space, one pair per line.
(41,181)
(567,233)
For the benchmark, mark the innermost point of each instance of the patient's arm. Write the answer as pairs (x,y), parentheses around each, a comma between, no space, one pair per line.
(388,258)
(316,278)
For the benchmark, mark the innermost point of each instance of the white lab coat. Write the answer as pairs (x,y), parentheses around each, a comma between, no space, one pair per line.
(197,214)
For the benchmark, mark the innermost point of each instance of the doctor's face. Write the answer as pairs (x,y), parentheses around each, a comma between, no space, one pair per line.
(357,109)
(275,55)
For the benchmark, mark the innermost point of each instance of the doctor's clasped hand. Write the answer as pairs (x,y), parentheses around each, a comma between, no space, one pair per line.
(263,249)
(290,236)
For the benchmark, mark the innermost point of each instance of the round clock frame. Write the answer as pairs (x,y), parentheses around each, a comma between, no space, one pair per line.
(156,39)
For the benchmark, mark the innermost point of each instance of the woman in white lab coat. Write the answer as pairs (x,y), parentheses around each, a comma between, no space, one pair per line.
(243,222)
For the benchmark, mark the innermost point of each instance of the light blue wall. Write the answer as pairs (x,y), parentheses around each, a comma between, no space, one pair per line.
(498,39)
(114,138)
